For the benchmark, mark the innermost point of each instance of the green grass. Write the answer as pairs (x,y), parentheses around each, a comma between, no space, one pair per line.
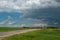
(47,34)
(6,29)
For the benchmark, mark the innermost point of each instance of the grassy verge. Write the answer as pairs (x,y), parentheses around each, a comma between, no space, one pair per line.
(6,29)
(48,34)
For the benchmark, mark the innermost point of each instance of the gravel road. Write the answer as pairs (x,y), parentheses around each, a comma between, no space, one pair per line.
(11,33)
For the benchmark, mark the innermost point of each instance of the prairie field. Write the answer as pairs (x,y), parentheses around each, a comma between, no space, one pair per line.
(6,29)
(44,34)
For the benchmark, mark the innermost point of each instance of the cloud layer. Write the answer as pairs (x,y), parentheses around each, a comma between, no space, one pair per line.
(25,5)
(47,11)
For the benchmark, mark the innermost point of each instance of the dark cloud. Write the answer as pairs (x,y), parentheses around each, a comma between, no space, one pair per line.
(58,0)
(46,10)
(50,15)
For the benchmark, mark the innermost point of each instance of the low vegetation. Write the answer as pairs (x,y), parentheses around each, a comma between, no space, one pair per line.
(5,29)
(44,34)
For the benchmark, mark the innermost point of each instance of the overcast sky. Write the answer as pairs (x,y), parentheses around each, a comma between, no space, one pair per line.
(29,12)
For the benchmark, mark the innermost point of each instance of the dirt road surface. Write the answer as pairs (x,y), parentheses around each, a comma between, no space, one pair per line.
(11,33)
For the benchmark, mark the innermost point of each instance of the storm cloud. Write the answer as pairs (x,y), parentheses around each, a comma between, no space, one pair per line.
(46,10)
(50,15)
(25,5)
